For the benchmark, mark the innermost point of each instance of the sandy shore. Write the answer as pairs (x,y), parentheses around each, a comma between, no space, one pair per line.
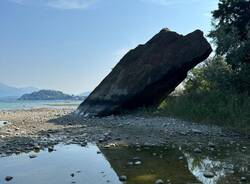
(42,128)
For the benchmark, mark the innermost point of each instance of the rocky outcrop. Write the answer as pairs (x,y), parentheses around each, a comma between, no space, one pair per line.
(148,73)
(49,95)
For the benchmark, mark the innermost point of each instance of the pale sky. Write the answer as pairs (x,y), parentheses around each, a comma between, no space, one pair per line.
(71,45)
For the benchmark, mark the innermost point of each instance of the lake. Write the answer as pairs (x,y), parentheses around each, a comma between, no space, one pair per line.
(19,104)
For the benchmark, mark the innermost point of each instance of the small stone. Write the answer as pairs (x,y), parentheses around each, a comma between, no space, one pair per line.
(32,156)
(101,140)
(107,134)
(138,149)
(2,136)
(208,174)
(196,131)
(123,178)
(8,178)
(181,158)
(16,128)
(138,163)
(159,181)
(243,179)
(98,152)
(197,150)
(72,175)
(130,163)
(83,144)
(183,133)
(50,149)
(211,145)
(36,147)
(136,158)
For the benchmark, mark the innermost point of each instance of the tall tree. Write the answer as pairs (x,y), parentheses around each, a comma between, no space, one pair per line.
(231,31)
(231,35)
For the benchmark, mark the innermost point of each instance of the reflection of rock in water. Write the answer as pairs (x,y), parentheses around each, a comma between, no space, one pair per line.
(165,165)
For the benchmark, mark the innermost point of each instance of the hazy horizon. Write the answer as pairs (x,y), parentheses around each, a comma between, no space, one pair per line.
(71,45)
(31,89)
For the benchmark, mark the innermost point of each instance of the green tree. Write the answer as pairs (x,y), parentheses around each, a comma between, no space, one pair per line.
(231,35)
(215,74)
(231,32)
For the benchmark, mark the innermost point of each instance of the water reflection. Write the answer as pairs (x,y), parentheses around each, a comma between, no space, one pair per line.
(57,167)
(166,163)
(76,164)
(174,165)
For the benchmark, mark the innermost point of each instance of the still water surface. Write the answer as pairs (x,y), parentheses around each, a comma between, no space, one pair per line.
(56,167)
(172,165)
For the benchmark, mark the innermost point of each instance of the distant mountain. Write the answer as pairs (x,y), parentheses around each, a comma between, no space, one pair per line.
(14,92)
(85,94)
(49,95)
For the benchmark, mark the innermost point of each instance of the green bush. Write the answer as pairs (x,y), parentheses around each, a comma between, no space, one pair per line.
(215,107)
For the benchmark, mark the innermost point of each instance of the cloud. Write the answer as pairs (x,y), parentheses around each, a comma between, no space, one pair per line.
(58,4)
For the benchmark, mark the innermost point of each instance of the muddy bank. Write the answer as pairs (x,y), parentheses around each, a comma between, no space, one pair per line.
(42,128)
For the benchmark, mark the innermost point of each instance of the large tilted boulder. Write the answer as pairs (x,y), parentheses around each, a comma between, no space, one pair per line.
(148,73)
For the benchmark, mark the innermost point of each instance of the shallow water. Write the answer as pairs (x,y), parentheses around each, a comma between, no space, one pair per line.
(56,167)
(176,166)
(172,165)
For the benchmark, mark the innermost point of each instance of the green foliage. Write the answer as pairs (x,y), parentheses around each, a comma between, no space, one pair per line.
(215,107)
(231,32)
(214,74)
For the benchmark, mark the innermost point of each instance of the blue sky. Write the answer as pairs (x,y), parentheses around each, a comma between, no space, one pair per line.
(71,45)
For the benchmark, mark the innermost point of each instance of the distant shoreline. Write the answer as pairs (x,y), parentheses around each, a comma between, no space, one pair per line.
(8,105)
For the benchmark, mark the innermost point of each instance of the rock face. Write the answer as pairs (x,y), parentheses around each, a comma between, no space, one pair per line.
(148,73)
